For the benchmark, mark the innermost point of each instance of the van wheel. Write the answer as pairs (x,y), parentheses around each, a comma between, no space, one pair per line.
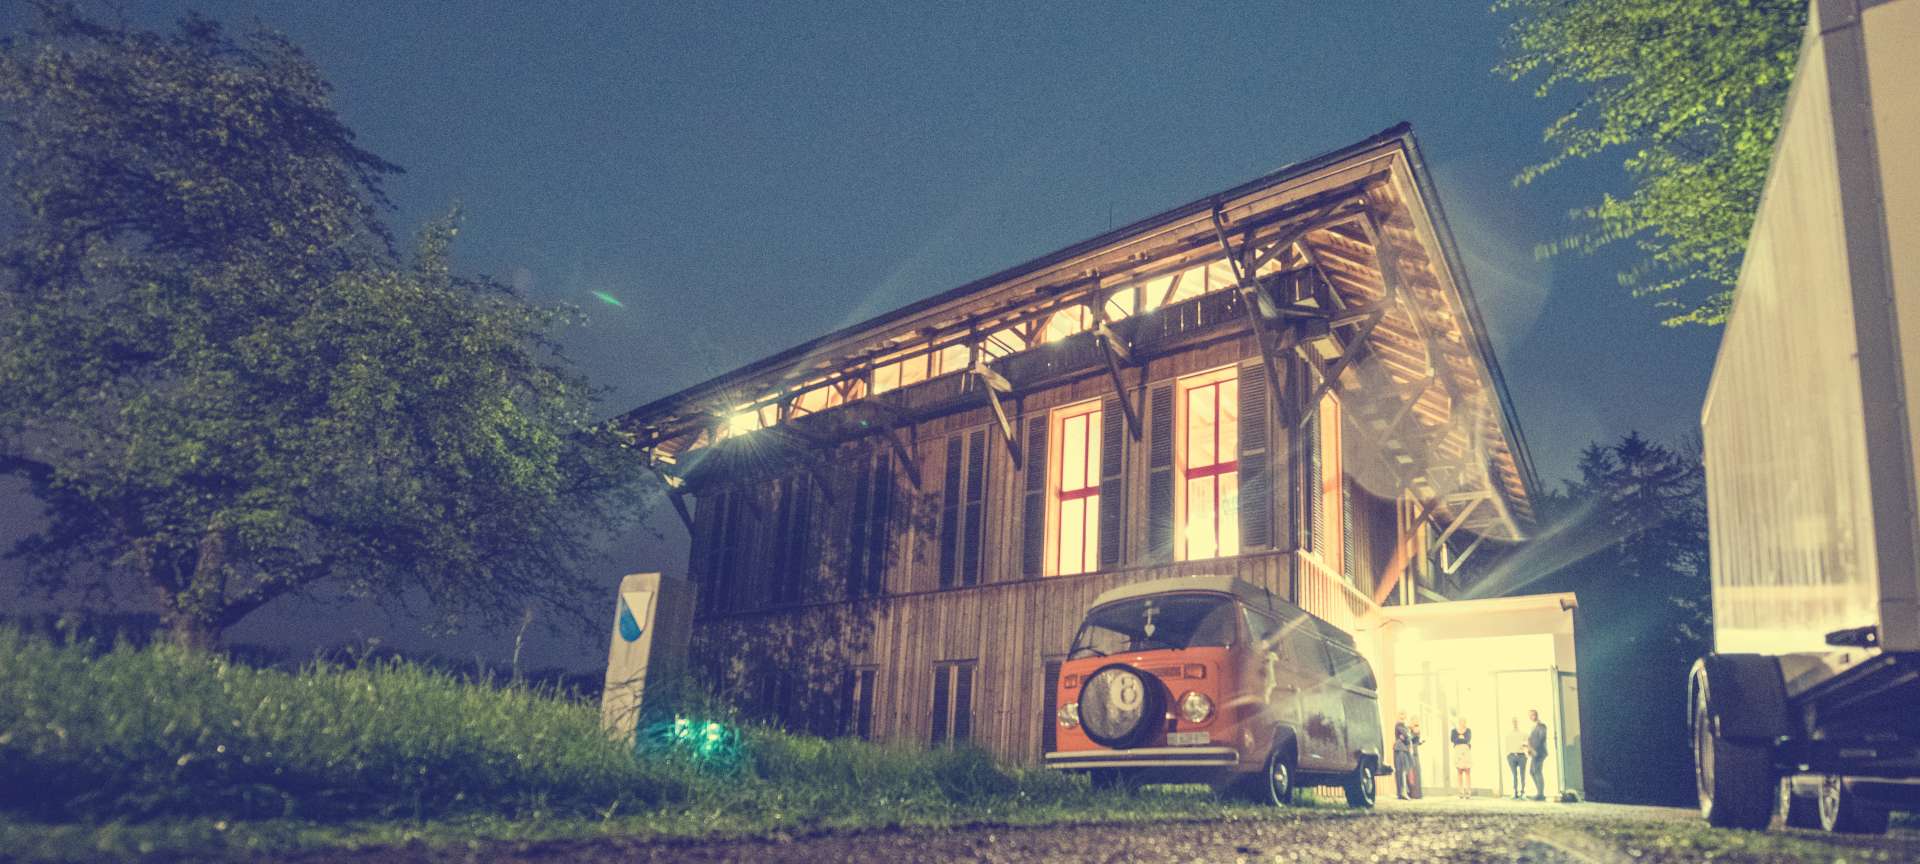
(1798,811)
(1842,812)
(1733,778)
(1276,787)
(1360,786)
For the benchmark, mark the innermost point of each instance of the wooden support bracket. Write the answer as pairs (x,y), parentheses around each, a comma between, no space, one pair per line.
(997,384)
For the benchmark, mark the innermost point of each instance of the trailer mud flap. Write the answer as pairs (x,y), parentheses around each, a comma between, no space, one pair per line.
(1749,696)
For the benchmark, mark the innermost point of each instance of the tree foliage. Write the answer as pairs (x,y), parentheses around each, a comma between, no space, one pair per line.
(1691,91)
(218,375)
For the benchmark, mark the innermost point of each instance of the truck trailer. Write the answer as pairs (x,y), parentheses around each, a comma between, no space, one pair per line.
(1809,707)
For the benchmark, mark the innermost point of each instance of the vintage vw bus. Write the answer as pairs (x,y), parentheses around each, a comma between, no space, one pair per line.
(1212,679)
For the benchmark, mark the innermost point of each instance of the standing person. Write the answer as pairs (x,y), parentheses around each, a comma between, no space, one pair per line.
(1517,758)
(1402,756)
(1462,739)
(1413,777)
(1537,751)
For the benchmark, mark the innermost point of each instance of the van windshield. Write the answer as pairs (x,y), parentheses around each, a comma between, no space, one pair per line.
(1156,623)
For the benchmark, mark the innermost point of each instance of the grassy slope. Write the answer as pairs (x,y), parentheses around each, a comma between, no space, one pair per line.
(158,749)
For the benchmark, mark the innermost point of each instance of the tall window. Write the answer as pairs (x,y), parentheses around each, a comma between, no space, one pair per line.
(963,509)
(856,719)
(1075,540)
(1209,465)
(868,539)
(952,702)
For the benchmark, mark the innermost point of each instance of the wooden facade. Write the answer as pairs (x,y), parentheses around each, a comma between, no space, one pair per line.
(889,525)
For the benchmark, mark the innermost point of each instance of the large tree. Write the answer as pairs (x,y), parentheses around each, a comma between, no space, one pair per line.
(1689,93)
(220,378)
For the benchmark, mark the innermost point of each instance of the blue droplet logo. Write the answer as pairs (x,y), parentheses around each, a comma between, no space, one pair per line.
(629,628)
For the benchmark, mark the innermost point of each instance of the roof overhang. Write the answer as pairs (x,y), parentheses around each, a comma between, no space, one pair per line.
(1387,320)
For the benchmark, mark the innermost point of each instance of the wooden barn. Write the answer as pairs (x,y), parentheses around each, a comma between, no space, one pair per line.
(897,527)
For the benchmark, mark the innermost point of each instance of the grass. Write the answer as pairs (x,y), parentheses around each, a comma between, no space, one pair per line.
(166,752)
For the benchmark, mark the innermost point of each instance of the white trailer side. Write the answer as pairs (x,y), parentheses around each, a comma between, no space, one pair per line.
(1806,708)
(1808,426)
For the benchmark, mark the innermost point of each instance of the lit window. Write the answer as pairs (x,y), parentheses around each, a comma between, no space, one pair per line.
(746,418)
(953,358)
(1002,342)
(1075,534)
(1120,304)
(1066,322)
(1209,465)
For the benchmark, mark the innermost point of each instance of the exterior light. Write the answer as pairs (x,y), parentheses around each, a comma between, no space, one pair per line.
(743,422)
(1070,714)
(1196,707)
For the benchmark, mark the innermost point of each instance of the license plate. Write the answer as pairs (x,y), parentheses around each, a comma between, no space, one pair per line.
(1186,739)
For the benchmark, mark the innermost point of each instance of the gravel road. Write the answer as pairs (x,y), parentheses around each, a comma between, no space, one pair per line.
(1331,836)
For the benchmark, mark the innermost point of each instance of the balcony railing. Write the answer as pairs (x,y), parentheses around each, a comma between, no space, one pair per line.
(1329,595)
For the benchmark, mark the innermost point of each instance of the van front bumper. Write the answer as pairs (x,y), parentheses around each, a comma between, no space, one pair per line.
(1146,757)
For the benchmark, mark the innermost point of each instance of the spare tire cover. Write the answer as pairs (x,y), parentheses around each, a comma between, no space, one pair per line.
(1117,706)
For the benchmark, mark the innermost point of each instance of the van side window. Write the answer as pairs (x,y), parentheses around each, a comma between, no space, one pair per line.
(1354,670)
(1261,630)
(1309,650)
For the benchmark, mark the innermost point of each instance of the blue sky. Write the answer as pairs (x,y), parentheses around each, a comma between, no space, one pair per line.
(744,177)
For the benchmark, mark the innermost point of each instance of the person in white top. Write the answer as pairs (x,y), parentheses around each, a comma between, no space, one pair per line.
(1517,758)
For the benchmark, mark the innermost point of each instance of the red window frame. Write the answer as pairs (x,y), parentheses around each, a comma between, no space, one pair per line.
(1087,474)
(1189,471)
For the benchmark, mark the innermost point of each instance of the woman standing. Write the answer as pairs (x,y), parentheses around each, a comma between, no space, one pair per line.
(1462,739)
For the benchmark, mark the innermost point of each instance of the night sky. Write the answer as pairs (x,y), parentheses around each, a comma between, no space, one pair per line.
(744,178)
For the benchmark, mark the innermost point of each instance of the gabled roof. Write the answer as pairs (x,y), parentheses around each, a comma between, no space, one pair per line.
(1363,219)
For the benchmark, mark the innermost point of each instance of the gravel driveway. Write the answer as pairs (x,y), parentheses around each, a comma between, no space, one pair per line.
(1584,834)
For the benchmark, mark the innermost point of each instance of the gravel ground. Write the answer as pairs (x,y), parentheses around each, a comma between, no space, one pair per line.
(1333,836)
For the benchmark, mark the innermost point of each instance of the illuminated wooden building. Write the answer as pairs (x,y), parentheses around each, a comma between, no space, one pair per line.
(896,527)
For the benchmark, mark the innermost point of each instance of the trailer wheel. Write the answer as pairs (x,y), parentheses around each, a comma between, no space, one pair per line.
(1734,778)
(1842,811)
(1798,810)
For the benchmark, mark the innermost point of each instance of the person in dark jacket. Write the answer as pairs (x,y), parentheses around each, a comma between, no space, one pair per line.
(1537,753)
(1413,767)
(1402,756)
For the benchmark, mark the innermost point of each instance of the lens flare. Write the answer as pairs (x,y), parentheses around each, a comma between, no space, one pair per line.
(609,299)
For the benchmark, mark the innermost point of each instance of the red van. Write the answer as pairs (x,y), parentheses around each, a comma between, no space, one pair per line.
(1212,679)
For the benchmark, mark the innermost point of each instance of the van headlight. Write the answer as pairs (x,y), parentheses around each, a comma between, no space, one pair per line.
(1196,707)
(1070,714)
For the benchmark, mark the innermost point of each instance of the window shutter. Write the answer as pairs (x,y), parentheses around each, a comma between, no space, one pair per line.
(1113,482)
(849,700)
(950,516)
(1348,567)
(972,522)
(1256,479)
(857,529)
(704,562)
(1033,520)
(783,575)
(800,546)
(863,721)
(727,551)
(941,675)
(880,510)
(963,702)
(1316,497)
(1050,707)
(1160,473)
